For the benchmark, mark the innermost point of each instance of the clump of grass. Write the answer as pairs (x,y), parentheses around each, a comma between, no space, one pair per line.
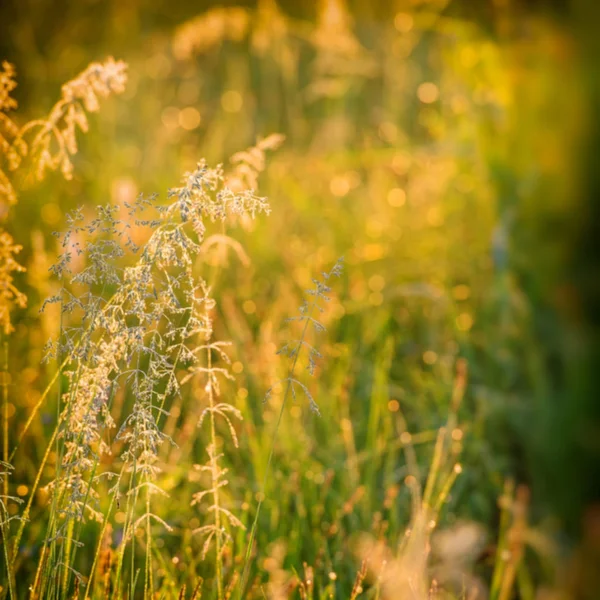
(403,573)
(49,142)
(138,339)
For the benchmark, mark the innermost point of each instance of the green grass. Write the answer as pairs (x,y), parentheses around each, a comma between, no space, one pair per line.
(445,213)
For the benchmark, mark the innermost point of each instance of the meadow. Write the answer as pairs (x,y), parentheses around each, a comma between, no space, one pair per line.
(284,302)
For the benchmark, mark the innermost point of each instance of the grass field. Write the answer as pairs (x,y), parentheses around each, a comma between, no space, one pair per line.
(294,302)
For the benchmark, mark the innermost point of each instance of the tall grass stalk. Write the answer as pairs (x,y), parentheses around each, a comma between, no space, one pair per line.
(293,350)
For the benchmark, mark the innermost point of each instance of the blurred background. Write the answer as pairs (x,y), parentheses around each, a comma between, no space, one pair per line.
(447,149)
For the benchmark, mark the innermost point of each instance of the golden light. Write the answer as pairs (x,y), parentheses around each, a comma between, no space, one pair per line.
(124,190)
(464,322)
(401,163)
(461,292)
(428,92)
(232,101)
(189,118)
(339,186)
(376,299)
(51,213)
(249,307)
(376,283)
(430,357)
(396,197)
(403,22)
(170,117)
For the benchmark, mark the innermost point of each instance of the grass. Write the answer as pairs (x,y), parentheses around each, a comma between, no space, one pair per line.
(164,449)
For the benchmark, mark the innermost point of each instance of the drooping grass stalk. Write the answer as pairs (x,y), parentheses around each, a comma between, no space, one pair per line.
(292,350)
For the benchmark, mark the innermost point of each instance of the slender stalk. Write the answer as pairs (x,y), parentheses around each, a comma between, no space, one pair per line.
(34,488)
(9,574)
(438,457)
(134,492)
(99,546)
(288,389)
(4,527)
(214,471)
(126,525)
(148,582)
(5,412)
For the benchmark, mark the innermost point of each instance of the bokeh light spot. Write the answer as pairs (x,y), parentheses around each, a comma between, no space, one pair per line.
(189,118)
(396,197)
(428,92)
(232,101)
(401,163)
(403,22)
(464,322)
(339,186)
(429,357)
(51,213)
(170,117)
(461,292)
(376,283)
